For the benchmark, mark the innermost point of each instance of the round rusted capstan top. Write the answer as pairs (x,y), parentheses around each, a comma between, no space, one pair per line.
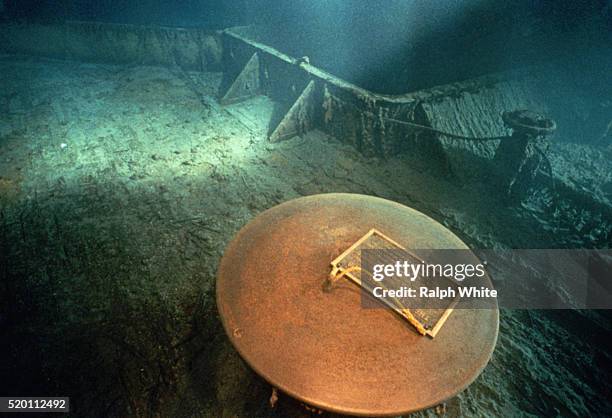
(323,348)
(529,122)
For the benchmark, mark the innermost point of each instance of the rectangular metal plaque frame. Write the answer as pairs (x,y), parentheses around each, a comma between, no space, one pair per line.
(426,321)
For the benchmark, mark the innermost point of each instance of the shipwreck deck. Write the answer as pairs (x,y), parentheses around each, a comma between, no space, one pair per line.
(120,187)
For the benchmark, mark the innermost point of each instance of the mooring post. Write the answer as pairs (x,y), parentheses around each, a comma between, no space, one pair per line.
(519,156)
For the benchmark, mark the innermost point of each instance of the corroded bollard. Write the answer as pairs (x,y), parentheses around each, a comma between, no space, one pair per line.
(519,157)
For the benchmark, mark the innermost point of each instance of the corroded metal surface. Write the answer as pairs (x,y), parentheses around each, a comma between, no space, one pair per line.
(323,348)
(519,157)
(349,113)
(192,49)
(246,85)
(529,123)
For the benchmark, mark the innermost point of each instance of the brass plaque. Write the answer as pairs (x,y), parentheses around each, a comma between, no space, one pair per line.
(427,321)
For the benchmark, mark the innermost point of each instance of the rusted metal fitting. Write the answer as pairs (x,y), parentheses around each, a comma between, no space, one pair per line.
(519,157)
